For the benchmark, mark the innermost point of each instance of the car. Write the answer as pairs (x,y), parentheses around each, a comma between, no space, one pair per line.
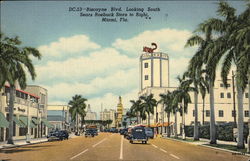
(58,135)
(63,134)
(90,132)
(138,134)
(149,132)
(123,131)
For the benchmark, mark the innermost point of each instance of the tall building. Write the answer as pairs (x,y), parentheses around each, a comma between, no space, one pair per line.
(89,114)
(119,113)
(154,79)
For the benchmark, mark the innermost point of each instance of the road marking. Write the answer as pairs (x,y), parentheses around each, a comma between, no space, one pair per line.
(99,142)
(79,154)
(121,150)
(174,156)
(163,150)
(154,146)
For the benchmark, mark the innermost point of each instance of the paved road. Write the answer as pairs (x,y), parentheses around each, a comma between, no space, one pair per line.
(109,147)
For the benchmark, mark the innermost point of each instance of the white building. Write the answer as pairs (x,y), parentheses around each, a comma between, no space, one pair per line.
(89,114)
(108,115)
(154,78)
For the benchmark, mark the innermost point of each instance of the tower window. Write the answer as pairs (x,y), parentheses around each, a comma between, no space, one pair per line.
(221,95)
(146,77)
(145,65)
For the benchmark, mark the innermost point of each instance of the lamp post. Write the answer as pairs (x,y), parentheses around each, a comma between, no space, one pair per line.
(28,122)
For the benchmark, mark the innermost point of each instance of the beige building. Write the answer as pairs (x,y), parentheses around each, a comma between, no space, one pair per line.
(108,115)
(30,107)
(59,116)
(89,114)
(154,79)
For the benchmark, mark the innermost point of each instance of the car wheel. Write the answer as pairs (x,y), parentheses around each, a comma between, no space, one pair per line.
(131,141)
(145,142)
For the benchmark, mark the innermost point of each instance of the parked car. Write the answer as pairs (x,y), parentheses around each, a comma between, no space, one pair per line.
(123,131)
(58,135)
(63,134)
(149,132)
(138,134)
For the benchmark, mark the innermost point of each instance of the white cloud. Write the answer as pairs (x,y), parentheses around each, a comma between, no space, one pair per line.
(68,46)
(103,62)
(171,41)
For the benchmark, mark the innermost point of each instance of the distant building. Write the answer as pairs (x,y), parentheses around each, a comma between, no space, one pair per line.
(89,114)
(119,113)
(108,115)
(59,116)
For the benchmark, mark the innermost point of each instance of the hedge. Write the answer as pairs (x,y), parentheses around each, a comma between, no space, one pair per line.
(223,131)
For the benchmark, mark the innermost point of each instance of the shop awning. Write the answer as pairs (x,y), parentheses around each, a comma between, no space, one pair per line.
(24,120)
(3,121)
(46,122)
(35,121)
(18,122)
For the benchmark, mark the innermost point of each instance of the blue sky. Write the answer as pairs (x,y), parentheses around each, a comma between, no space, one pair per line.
(100,59)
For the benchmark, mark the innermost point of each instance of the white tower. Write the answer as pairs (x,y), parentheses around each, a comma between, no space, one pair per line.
(154,70)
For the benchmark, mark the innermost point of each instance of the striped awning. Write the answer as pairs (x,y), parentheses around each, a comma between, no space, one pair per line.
(18,122)
(24,120)
(3,121)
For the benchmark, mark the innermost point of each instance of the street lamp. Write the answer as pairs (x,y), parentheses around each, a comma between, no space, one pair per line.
(28,122)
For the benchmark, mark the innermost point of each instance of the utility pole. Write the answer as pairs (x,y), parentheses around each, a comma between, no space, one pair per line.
(233,76)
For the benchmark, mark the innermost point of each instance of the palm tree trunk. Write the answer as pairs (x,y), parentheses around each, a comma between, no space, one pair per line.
(148,119)
(11,107)
(212,117)
(196,132)
(203,111)
(248,139)
(240,123)
(175,125)
(168,115)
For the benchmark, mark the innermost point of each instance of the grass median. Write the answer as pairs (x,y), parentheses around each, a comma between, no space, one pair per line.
(228,147)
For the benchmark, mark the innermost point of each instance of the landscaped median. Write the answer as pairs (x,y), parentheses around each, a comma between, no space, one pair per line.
(219,146)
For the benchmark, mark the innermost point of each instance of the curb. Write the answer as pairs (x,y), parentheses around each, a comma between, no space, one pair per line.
(14,146)
(226,150)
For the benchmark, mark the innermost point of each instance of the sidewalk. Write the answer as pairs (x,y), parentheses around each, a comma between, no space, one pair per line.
(205,142)
(23,142)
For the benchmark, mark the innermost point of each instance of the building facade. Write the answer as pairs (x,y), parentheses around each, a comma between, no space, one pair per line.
(29,109)
(89,114)
(59,116)
(156,81)
(108,115)
(119,113)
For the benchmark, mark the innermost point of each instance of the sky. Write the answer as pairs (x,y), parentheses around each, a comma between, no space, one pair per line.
(100,60)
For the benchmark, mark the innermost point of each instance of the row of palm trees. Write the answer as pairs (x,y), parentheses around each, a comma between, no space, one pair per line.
(226,40)
(15,60)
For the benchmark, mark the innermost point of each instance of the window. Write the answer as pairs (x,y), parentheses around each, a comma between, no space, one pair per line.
(246,95)
(228,95)
(221,95)
(145,65)
(221,85)
(146,77)
(207,113)
(193,113)
(246,113)
(233,113)
(221,113)
(228,85)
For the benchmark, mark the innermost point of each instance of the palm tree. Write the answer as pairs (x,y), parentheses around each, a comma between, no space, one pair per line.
(182,95)
(13,59)
(135,108)
(232,47)
(176,109)
(166,100)
(148,105)
(77,107)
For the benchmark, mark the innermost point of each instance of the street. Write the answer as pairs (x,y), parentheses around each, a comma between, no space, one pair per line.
(112,146)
